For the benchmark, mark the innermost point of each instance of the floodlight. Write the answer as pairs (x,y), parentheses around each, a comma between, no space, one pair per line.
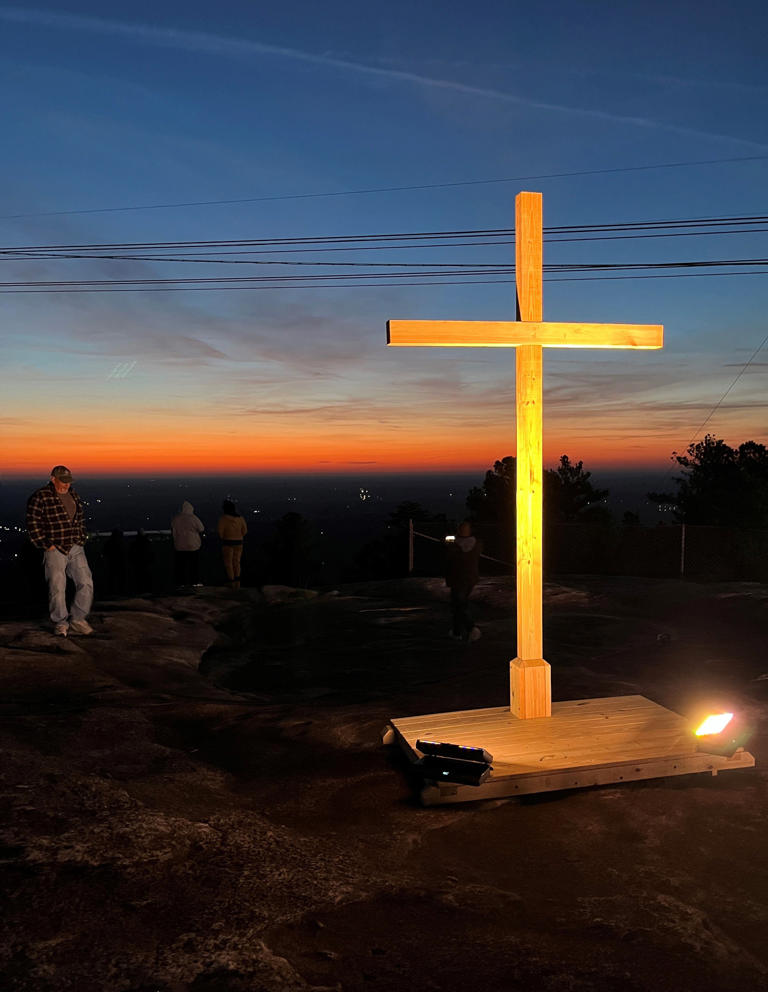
(723,733)
(715,723)
(461,751)
(438,768)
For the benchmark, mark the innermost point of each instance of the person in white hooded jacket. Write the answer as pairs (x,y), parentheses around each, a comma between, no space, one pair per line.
(187,530)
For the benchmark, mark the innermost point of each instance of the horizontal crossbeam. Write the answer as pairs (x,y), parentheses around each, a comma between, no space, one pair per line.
(514,333)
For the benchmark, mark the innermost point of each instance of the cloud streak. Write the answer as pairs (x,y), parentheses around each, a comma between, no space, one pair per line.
(218,45)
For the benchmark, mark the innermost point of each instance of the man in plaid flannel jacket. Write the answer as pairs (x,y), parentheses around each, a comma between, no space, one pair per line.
(56,525)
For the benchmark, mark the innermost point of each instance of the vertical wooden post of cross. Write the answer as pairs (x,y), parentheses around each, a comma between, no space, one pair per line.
(530,681)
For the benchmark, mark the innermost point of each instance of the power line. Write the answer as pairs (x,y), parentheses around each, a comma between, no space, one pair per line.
(634,227)
(433,271)
(722,399)
(323,277)
(8,254)
(389,189)
(479,266)
(270,283)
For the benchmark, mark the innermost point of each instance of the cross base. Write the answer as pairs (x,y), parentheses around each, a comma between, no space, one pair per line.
(585,742)
(530,688)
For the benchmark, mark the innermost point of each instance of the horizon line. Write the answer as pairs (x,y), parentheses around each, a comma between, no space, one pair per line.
(118,475)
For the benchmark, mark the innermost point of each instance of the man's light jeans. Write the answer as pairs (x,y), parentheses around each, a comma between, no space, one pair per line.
(75,565)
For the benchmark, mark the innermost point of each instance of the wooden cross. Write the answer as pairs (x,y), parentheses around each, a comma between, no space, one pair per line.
(529,673)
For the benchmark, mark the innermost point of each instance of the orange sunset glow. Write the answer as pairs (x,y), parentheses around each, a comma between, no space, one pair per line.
(116,450)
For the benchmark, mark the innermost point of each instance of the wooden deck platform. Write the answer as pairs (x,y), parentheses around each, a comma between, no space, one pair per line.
(585,742)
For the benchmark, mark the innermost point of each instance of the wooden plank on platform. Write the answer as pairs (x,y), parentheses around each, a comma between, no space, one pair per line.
(588,731)
(441,794)
(584,742)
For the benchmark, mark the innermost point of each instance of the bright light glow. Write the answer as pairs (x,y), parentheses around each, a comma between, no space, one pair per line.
(714,724)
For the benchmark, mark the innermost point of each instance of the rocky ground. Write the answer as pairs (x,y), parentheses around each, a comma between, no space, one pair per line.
(195,799)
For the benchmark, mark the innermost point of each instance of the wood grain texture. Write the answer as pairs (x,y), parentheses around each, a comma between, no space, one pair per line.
(584,742)
(530,681)
(579,733)
(528,509)
(529,239)
(515,333)
(616,773)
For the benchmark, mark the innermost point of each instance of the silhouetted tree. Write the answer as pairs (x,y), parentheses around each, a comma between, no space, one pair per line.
(410,510)
(491,507)
(720,485)
(569,496)
(495,498)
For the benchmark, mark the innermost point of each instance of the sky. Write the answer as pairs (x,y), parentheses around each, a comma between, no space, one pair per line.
(136,123)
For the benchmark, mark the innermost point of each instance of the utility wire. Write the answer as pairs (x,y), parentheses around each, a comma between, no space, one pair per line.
(427,270)
(748,221)
(481,266)
(270,283)
(389,189)
(208,259)
(720,402)
(324,277)
(722,399)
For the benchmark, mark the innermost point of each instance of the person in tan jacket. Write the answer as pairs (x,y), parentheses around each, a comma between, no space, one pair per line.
(232,529)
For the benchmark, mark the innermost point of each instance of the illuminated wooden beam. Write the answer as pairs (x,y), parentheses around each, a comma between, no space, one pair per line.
(517,333)
(529,673)
(530,679)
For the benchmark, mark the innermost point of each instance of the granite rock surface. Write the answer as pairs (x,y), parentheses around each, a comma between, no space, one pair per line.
(195,799)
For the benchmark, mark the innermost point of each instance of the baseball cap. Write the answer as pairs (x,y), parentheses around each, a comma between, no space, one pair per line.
(62,473)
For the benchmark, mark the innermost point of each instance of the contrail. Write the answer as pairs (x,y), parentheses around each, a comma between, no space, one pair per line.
(211,44)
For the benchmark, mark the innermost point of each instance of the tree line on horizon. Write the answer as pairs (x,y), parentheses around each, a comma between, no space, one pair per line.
(718,486)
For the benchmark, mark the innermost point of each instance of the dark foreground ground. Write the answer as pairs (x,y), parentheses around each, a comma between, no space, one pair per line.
(195,799)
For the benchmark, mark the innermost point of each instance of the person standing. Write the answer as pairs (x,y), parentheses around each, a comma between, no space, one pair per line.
(232,528)
(56,525)
(187,541)
(462,572)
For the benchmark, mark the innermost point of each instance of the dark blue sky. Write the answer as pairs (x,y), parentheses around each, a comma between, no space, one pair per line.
(142,104)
